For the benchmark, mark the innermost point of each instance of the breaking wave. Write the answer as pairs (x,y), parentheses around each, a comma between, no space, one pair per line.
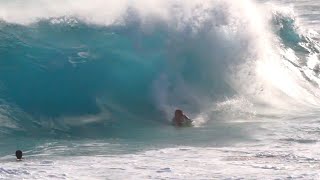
(103,68)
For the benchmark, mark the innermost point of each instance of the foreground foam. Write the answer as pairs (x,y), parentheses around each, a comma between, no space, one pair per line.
(184,163)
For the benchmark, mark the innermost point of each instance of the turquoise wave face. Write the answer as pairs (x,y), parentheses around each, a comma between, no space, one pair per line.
(52,72)
(57,71)
(80,79)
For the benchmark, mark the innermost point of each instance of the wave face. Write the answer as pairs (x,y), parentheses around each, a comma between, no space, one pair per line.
(105,68)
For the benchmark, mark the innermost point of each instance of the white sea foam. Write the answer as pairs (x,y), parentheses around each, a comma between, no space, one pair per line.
(172,163)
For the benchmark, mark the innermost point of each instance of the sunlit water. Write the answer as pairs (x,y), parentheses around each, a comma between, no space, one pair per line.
(87,95)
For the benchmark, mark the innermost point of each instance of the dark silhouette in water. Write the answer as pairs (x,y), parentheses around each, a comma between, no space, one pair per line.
(19,155)
(180,119)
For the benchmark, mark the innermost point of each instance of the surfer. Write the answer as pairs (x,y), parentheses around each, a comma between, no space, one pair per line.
(19,155)
(181,119)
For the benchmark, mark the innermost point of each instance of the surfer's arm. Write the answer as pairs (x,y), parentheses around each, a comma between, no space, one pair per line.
(187,118)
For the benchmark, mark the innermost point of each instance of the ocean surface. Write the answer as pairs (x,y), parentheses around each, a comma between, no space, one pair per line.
(88,89)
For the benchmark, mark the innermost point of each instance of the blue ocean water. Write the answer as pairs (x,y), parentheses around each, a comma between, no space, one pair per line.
(99,82)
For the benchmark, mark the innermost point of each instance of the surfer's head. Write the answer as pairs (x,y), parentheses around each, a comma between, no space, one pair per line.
(178,113)
(19,154)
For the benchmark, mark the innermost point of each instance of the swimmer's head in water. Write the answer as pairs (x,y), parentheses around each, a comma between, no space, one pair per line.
(19,154)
